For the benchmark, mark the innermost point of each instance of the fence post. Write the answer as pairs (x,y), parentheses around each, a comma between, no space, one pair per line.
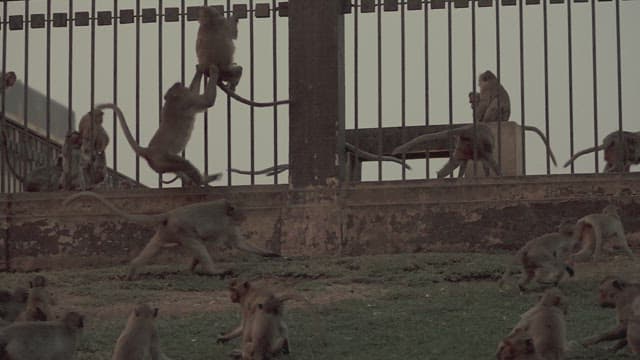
(316,89)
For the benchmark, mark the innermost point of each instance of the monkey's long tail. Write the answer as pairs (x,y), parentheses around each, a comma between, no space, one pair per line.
(426,138)
(123,123)
(585,151)
(270,171)
(5,150)
(249,102)
(372,157)
(158,218)
(545,140)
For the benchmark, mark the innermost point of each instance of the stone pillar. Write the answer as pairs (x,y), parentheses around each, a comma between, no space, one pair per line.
(316,89)
(510,149)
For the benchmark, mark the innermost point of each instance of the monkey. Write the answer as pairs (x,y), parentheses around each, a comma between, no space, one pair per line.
(186,226)
(72,175)
(9,79)
(615,292)
(38,306)
(139,339)
(41,340)
(545,254)
(247,295)
(592,230)
(545,324)
(262,337)
(215,46)
(464,149)
(517,346)
(176,125)
(12,304)
(633,326)
(629,149)
(492,103)
(94,142)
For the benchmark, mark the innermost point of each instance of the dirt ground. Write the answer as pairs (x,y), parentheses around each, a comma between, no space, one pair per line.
(411,306)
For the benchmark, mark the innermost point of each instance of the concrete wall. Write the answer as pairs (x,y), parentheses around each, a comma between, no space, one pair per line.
(483,214)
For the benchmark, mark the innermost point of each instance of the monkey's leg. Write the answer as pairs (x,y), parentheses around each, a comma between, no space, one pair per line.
(488,158)
(165,162)
(153,246)
(622,242)
(620,332)
(586,237)
(619,345)
(448,168)
(284,333)
(200,252)
(596,231)
(463,168)
(528,275)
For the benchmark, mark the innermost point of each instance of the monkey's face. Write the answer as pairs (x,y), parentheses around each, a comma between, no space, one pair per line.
(609,291)
(238,290)
(10,79)
(74,139)
(511,349)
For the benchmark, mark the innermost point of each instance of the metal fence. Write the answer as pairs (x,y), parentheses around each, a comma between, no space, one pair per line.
(569,67)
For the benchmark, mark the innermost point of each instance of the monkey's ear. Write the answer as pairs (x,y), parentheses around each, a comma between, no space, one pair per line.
(155,312)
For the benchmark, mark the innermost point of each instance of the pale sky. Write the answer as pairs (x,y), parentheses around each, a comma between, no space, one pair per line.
(415,78)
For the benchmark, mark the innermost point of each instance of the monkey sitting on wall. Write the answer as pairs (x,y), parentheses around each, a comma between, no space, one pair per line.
(493,102)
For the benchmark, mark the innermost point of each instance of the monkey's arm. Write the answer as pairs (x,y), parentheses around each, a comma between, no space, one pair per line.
(202,102)
(619,332)
(481,107)
(230,335)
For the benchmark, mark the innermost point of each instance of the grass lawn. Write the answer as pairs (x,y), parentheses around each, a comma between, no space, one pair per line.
(412,306)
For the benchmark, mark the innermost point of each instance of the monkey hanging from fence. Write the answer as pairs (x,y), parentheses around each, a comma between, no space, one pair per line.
(215,46)
(176,125)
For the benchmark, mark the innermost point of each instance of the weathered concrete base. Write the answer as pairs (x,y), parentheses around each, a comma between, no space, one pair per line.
(482,214)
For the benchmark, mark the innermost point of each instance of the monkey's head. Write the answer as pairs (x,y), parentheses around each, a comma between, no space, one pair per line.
(238,290)
(144,311)
(554,297)
(209,15)
(176,92)
(271,305)
(236,214)
(609,290)
(10,79)
(486,77)
(73,139)
(98,116)
(611,210)
(38,281)
(515,346)
(73,320)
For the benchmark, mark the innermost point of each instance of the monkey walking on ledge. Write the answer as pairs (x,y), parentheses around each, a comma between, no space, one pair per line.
(188,226)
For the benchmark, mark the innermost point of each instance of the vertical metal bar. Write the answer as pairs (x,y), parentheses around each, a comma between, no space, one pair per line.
(450,71)
(594,61)
(137,104)
(183,24)
(570,55)
(426,81)
(379,29)
(206,126)
(229,145)
(115,90)
(522,98)
(474,75)
(26,163)
(498,74)
(4,179)
(92,75)
(546,82)
(622,149)
(70,74)
(252,112)
(48,72)
(354,163)
(160,98)
(403,81)
(275,88)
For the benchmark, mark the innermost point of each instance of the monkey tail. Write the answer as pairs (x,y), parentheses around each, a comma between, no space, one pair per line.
(270,171)
(249,102)
(369,156)
(158,218)
(123,123)
(5,150)
(545,140)
(171,181)
(585,151)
